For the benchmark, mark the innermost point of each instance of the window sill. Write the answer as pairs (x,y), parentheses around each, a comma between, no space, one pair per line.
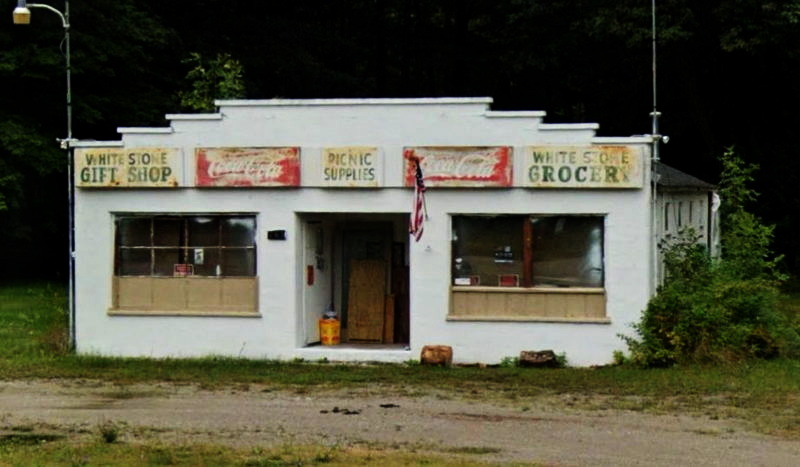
(529,319)
(210,313)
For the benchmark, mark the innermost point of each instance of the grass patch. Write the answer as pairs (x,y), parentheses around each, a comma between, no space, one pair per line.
(27,439)
(33,321)
(66,454)
(477,450)
(765,393)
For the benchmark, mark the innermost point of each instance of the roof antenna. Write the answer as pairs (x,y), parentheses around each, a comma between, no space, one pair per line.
(656,140)
(655,114)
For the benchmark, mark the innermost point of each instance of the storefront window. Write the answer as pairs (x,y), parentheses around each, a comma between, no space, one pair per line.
(162,246)
(487,250)
(185,265)
(528,251)
(567,251)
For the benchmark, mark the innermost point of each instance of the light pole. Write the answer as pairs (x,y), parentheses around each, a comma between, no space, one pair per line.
(22,15)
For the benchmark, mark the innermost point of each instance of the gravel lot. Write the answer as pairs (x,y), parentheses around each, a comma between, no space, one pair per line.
(544,430)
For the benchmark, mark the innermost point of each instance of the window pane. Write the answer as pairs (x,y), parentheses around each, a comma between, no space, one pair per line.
(201,241)
(133,231)
(568,251)
(238,231)
(133,262)
(203,231)
(205,263)
(487,251)
(239,262)
(166,259)
(167,232)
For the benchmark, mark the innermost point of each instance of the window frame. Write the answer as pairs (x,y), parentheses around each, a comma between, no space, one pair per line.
(528,302)
(184,246)
(179,294)
(526,275)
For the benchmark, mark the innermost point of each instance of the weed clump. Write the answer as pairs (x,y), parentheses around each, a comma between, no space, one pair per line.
(712,310)
(109,432)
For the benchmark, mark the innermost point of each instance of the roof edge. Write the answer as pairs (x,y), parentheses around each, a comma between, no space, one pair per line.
(350,101)
(621,140)
(144,130)
(95,144)
(569,126)
(204,116)
(515,113)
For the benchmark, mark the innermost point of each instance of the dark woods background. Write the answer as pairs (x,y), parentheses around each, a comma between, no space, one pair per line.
(728,74)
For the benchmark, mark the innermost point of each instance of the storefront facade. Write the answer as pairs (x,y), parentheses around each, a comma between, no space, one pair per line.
(231,233)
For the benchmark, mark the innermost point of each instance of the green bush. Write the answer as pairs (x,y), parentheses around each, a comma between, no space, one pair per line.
(718,309)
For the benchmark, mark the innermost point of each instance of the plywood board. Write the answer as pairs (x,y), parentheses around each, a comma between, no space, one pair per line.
(530,303)
(366,300)
(240,293)
(134,293)
(169,293)
(595,306)
(575,305)
(203,293)
(388,320)
(186,294)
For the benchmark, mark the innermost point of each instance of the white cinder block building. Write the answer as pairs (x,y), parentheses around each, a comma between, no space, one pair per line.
(231,233)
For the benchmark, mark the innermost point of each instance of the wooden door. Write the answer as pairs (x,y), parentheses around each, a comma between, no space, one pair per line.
(366,298)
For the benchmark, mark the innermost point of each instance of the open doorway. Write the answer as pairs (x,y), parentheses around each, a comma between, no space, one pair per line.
(357,264)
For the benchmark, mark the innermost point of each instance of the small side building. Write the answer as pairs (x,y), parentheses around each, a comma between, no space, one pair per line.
(685,203)
(231,233)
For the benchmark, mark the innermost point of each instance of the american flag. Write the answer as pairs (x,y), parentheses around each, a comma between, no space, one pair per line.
(418,211)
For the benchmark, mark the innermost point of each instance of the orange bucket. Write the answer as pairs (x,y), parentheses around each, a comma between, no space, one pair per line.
(329,331)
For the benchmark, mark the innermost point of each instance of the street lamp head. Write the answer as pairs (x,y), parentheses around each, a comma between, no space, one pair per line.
(22,15)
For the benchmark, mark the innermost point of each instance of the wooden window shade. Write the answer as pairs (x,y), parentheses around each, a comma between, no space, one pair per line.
(528,304)
(185,295)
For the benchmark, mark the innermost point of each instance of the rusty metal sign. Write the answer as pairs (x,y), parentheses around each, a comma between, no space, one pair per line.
(128,167)
(247,167)
(584,167)
(352,166)
(460,166)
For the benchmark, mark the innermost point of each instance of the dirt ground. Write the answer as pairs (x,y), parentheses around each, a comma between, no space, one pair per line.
(540,431)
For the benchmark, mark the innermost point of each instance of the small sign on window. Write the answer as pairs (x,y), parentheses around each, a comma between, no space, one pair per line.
(183,270)
(468,280)
(508,280)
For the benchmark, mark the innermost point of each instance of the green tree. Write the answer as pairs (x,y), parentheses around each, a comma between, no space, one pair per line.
(122,74)
(724,309)
(219,78)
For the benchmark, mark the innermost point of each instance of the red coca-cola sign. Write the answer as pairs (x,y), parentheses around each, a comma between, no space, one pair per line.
(247,167)
(460,166)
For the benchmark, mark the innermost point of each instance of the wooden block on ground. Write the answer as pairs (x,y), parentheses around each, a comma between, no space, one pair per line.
(441,355)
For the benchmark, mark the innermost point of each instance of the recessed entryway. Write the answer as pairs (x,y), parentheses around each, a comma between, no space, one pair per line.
(357,264)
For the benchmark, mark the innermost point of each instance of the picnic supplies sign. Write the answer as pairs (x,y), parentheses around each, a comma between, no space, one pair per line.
(128,167)
(583,167)
(247,167)
(352,166)
(460,166)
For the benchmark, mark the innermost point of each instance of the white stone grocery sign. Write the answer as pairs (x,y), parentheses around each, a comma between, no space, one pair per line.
(583,167)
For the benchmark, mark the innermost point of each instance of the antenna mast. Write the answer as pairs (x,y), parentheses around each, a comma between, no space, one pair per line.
(656,139)
(655,114)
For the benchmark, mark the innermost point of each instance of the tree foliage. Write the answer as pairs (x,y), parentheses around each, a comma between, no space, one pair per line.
(120,76)
(728,74)
(219,78)
(725,309)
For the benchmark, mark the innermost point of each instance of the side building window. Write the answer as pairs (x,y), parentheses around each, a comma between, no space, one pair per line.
(557,260)
(185,263)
